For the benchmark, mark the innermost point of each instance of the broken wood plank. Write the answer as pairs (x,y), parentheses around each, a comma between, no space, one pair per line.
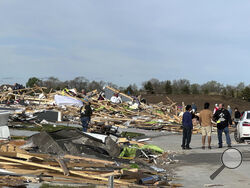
(115,173)
(63,166)
(89,159)
(60,170)
(19,155)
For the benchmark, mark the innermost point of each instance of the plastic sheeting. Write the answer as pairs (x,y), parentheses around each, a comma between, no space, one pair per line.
(4,132)
(68,101)
(4,117)
(100,137)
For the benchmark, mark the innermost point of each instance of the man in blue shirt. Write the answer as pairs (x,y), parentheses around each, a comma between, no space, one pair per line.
(187,128)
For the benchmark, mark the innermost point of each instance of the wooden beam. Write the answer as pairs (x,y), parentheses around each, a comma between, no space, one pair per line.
(89,159)
(60,170)
(19,155)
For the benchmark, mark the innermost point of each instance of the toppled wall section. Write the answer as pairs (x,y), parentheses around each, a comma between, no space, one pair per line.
(73,142)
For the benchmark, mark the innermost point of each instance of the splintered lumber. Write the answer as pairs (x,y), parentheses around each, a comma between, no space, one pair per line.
(115,173)
(76,179)
(122,140)
(86,165)
(27,171)
(136,143)
(89,159)
(7,147)
(63,166)
(117,91)
(60,170)
(20,155)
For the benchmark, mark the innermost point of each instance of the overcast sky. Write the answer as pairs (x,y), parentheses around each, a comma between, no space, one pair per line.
(125,42)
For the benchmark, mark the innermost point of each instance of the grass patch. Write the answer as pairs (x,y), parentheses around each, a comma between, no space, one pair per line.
(131,134)
(19,138)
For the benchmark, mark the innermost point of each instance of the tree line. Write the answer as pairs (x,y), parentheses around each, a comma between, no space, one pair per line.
(152,86)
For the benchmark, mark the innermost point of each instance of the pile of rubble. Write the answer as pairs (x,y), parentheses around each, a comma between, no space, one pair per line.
(101,156)
(34,105)
(71,156)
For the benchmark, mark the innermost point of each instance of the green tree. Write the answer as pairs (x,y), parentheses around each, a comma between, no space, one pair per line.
(212,87)
(168,87)
(246,94)
(131,89)
(32,81)
(195,89)
(185,90)
(239,88)
(149,87)
(181,86)
(231,91)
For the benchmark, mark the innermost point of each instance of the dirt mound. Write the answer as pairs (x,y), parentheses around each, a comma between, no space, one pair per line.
(199,100)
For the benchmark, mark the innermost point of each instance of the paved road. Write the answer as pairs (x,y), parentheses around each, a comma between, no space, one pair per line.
(195,166)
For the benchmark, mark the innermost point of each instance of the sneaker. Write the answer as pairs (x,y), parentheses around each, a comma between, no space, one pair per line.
(188,148)
(209,147)
(220,147)
(229,146)
(203,147)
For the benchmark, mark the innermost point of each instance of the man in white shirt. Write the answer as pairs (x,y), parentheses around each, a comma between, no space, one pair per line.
(116,99)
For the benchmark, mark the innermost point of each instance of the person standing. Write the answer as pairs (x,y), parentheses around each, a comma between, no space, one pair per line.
(205,119)
(236,116)
(187,128)
(194,107)
(86,113)
(223,119)
(229,110)
(215,108)
(116,98)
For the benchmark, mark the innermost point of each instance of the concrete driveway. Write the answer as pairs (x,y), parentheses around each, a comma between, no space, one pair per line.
(195,166)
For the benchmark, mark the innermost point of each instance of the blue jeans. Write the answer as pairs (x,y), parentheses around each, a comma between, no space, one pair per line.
(226,131)
(85,122)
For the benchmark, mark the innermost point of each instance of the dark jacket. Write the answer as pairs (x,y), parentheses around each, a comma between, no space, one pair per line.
(237,114)
(86,112)
(187,120)
(222,118)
